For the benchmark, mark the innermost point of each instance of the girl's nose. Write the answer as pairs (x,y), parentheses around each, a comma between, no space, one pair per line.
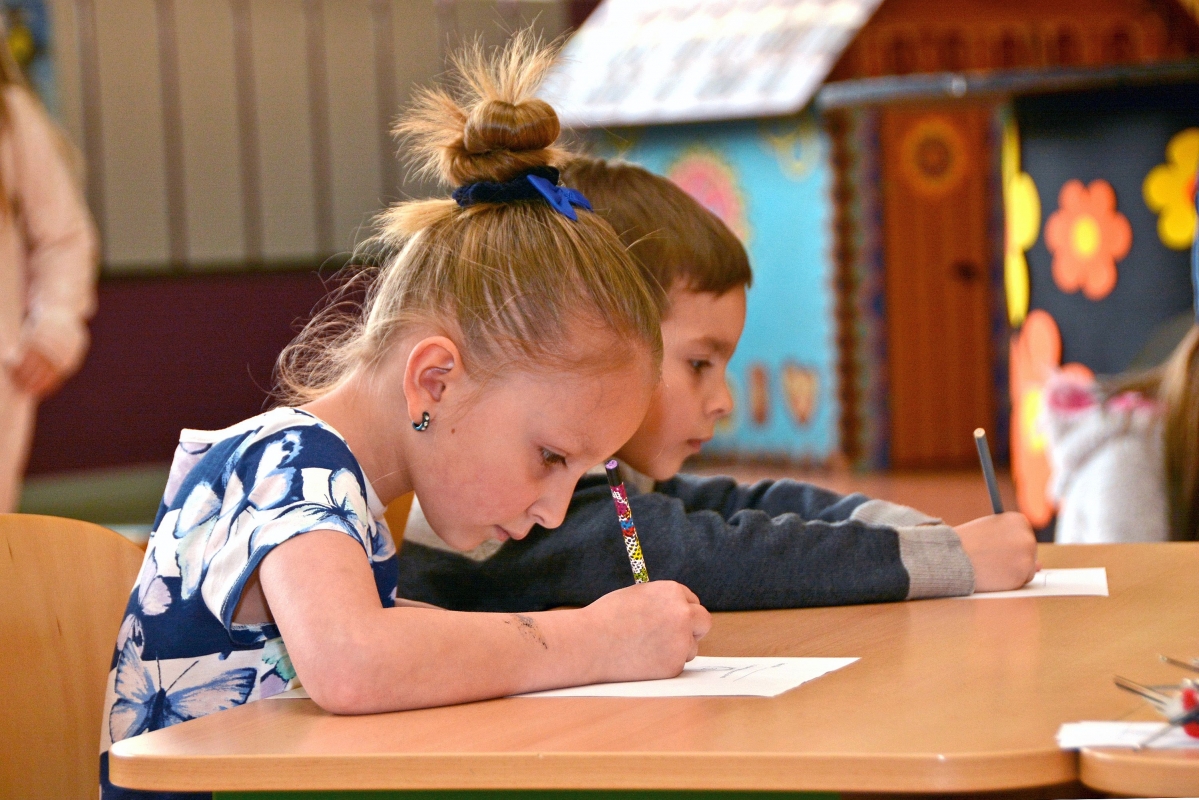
(550,509)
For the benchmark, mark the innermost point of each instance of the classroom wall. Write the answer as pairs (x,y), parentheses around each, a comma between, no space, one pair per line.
(233,147)
(1119,137)
(225,132)
(169,352)
(769,180)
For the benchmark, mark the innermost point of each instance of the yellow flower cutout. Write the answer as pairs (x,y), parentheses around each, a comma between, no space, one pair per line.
(1169,190)
(1022,220)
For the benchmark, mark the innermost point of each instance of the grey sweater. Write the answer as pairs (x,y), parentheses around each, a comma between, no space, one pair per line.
(772,544)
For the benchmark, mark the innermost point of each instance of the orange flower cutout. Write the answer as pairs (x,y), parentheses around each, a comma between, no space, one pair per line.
(1035,355)
(1087,236)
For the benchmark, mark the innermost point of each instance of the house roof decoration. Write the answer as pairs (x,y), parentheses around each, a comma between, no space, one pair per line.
(639,62)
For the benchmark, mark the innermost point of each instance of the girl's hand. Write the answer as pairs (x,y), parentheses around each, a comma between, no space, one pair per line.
(649,630)
(35,374)
(1003,550)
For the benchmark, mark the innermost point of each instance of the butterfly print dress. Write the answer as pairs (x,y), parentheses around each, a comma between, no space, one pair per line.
(232,496)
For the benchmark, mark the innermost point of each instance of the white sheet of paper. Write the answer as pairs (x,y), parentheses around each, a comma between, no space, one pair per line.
(704,676)
(1074,735)
(709,676)
(1091,581)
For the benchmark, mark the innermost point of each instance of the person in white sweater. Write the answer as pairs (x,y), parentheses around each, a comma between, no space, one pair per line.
(1125,452)
(47,269)
(1108,461)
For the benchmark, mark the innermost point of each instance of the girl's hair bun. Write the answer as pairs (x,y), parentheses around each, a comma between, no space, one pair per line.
(500,125)
(487,126)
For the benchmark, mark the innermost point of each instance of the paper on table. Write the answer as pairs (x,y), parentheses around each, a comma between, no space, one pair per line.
(1074,735)
(709,676)
(704,676)
(1055,583)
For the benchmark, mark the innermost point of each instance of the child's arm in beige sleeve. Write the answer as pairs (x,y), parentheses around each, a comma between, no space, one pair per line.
(59,236)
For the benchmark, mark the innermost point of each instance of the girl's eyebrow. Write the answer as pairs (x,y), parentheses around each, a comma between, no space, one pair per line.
(571,445)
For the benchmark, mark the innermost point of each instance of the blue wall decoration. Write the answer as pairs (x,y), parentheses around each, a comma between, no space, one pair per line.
(770,182)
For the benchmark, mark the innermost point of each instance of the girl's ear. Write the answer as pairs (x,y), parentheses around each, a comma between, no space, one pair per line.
(434,367)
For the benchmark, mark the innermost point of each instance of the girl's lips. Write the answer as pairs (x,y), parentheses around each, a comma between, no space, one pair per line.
(696,444)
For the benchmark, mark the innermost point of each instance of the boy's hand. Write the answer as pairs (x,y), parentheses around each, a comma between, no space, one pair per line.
(647,631)
(1003,550)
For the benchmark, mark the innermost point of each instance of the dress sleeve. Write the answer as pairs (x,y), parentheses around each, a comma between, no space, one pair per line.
(59,237)
(275,488)
(755,558)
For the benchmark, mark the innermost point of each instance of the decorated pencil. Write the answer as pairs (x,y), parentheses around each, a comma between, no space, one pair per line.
(625,514)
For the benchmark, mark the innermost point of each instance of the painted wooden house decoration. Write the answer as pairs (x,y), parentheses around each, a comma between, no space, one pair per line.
(716,96)
(940,199)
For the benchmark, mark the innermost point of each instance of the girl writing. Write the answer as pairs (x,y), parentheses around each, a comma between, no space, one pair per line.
(507,345)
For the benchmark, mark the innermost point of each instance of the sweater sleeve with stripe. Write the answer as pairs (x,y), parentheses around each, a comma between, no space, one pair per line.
(771,544)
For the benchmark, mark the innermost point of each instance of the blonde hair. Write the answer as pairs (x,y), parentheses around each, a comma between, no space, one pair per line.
(508,282)
(1176,385)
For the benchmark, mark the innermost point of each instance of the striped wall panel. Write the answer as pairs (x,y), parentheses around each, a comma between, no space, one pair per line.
(231,133)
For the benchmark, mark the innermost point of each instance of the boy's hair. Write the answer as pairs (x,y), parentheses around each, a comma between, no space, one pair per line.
(507,282)
(672,236)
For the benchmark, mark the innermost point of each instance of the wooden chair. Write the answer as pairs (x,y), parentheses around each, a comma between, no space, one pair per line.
(397,517)
(63,589)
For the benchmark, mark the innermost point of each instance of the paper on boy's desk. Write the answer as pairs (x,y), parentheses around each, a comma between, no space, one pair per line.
(1074,735)
(710,676)
(1056,583)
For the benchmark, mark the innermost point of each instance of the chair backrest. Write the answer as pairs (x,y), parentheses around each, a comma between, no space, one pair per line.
(63,589)
(397,516)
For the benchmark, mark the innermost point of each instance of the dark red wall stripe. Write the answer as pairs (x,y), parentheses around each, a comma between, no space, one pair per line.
(169,353)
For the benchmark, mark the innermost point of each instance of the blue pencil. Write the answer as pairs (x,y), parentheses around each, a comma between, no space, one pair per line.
(984,455)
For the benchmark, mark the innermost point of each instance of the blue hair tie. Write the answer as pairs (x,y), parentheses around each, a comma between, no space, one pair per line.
(538,183)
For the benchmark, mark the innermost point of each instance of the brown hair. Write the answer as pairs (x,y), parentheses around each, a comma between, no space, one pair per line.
(508,282)
(671,235)
(1176,385)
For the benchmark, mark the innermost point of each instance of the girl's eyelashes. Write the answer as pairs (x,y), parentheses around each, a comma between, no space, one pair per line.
(699,364)
(551,459)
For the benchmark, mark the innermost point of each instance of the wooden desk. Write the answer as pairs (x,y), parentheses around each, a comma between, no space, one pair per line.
(1151,773)
(950,696)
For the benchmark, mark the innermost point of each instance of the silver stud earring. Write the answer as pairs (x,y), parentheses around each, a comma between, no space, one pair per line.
(423,424)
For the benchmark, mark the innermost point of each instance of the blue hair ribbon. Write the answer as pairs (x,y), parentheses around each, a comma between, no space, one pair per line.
(538,183)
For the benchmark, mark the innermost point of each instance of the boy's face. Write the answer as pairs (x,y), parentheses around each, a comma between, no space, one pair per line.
(699,334)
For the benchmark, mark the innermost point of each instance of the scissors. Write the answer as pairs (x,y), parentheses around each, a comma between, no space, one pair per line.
(1178,704)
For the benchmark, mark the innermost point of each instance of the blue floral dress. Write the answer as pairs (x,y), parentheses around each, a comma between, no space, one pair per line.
(232,496)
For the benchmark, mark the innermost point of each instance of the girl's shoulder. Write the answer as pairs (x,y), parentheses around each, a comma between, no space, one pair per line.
(264,424)
(281,445)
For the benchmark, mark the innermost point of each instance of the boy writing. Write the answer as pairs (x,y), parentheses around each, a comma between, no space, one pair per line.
(768,545)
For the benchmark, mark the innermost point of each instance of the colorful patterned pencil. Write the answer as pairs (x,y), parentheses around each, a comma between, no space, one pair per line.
(625,514)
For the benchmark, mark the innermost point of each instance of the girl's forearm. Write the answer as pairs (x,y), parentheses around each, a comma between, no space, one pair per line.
(356,657)
(405,658)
